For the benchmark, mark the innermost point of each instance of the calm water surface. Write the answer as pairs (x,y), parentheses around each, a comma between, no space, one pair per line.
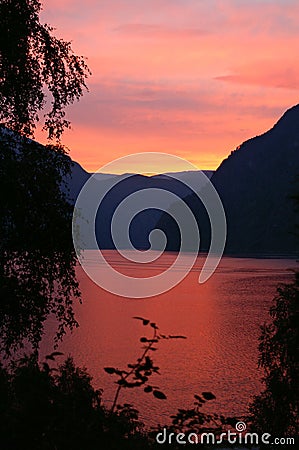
(220,319)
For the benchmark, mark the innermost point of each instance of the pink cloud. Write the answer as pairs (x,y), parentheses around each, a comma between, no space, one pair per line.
(283,74)
(155,31)
(157,70)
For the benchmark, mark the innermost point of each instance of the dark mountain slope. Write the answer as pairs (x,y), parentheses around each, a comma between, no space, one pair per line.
(255,184)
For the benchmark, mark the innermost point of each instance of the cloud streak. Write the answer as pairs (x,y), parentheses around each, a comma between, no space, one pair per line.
(191,77)
(268,74)
(155,31)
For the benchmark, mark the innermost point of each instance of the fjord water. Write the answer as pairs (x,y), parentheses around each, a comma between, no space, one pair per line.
(220,319)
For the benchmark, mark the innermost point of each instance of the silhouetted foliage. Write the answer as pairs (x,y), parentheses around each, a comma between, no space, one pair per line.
(32,62)
(195,420)
(276,409)
(47,408)
(37,260)
(196,426)
(189,421)
(139,373)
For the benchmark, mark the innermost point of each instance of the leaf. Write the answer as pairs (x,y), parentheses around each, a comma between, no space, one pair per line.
(143,339)
(159,395)
(57,354)
(199,398)
(148,389)
(52,355)
(208,396)
(109,370)
(132,385)
(138,375)
(120,372)
(144,321)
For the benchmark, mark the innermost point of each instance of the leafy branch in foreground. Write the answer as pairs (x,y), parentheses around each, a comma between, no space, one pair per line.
(37,258)
(194,420)
(276,409)
(139,373)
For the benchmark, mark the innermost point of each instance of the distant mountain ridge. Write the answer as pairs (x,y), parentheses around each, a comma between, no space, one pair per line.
(126,185)
(79,176)
(256,183)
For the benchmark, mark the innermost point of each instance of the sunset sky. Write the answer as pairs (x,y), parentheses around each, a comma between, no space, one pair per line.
(194,78)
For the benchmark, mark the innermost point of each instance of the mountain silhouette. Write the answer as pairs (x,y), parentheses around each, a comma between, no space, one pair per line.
(119,188)
(256,184)
(124,186)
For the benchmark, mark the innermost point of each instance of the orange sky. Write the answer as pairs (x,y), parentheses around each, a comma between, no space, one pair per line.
(193,78)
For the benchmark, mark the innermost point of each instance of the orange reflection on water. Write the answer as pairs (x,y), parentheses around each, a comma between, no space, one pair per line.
(220,319)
